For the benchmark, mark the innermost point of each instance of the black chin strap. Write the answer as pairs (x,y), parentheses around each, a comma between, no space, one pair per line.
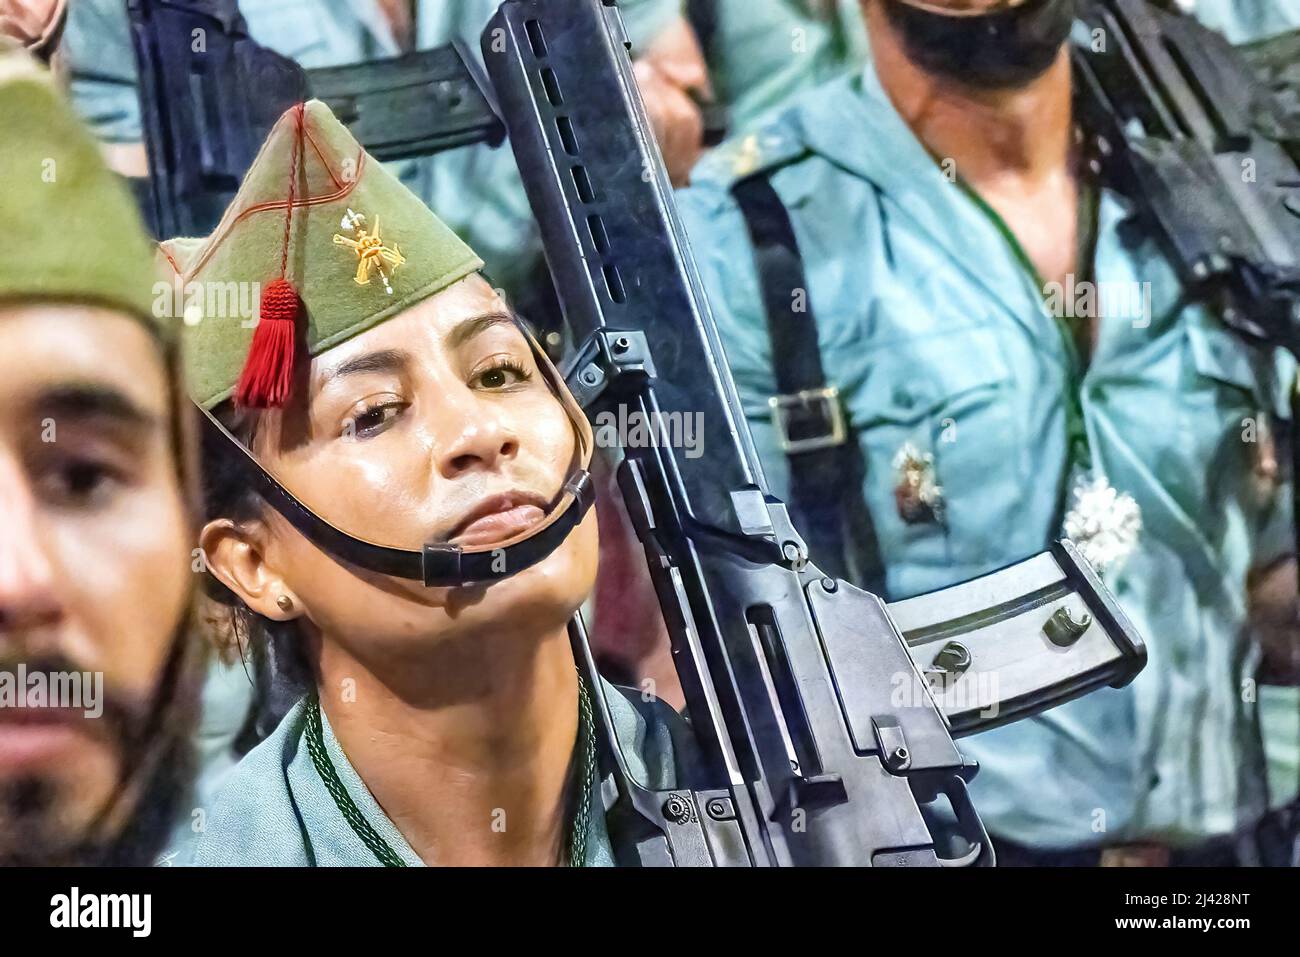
(437,564)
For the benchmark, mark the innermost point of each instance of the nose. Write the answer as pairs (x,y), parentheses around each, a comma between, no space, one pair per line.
(476,435)
(29,599)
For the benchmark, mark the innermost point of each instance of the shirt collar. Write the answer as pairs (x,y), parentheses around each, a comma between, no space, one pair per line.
(864,134)
(332,840)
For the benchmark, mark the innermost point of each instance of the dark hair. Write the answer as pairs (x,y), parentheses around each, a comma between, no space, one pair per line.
(282,670)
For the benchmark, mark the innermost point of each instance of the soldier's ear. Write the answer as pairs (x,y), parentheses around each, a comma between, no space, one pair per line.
(236,554)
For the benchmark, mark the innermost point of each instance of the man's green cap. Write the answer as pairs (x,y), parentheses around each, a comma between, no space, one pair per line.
(75,233)
(342,196)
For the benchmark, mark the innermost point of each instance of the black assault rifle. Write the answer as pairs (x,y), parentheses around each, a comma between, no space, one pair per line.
(1182,124)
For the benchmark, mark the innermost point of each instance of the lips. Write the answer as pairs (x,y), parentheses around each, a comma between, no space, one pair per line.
(33,736)
(499,518)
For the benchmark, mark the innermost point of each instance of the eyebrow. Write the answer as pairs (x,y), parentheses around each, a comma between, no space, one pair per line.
(384,360)
(94,402)
(467,329)
(395,360)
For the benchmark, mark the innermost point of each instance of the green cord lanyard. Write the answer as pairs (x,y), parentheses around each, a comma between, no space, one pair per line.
(1080,453)
(579,827)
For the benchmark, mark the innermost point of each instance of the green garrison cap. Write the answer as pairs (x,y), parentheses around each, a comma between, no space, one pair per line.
(75,234)
(355,245)
(170,259)
(174,255)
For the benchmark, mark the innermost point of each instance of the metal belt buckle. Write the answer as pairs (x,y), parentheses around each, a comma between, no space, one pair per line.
(808,420)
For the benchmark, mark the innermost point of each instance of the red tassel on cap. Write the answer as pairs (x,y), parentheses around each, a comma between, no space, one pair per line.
(267,378)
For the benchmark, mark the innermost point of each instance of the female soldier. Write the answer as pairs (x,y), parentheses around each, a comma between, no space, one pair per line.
(395,400)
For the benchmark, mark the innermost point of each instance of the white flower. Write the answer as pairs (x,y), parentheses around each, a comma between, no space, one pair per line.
(1103,523)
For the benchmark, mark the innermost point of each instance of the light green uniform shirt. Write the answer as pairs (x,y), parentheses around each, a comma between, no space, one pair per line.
(274,809)
(1243,21)
(476,190)
(937,336)
(764,51)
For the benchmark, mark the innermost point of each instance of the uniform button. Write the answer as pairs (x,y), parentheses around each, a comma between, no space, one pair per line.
(1154,780)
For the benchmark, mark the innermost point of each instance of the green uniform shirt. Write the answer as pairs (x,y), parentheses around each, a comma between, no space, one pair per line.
(938,337)
(1244,21)
(227,698)
(274,809)
(762,52)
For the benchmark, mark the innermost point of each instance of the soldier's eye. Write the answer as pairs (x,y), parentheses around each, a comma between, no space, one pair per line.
(79,482)
(372,420)
(503,373)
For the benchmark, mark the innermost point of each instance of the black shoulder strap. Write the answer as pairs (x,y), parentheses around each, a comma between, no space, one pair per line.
(783,286)
(703,18)
(826,469)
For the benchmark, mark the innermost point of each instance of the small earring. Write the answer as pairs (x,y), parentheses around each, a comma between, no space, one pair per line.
(285,602)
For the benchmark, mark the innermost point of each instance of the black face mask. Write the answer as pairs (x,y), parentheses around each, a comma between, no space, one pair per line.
(1002,49)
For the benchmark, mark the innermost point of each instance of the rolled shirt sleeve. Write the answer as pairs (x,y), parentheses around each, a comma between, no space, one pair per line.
(96,48)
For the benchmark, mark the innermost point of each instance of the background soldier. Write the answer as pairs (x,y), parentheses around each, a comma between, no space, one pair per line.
(95,576)
(940,202)
(760,53)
